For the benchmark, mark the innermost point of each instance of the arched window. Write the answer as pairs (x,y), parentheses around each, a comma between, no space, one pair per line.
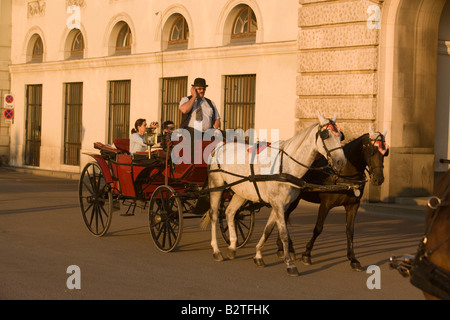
(245,26)
(77,48)
(179,34)
(124,40)
(78,43)
(38,51)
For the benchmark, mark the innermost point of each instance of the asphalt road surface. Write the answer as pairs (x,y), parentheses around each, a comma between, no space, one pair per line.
(42,234)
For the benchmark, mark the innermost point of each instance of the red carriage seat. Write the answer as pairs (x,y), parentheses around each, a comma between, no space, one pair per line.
(123,145)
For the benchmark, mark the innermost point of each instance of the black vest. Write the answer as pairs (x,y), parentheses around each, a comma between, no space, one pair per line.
(185,117)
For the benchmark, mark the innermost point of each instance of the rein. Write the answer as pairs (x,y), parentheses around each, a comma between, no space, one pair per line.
(368,167)
(281,177)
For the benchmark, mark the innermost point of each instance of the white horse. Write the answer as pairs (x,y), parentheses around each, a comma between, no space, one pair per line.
(290,158)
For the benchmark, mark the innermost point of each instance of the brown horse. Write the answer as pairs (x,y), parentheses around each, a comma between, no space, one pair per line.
(431,267)
(369,151)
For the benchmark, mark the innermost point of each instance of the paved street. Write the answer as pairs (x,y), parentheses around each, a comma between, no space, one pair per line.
(42,234)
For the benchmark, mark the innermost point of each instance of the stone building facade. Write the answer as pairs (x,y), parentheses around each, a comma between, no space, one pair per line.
(371,62)
(386,63)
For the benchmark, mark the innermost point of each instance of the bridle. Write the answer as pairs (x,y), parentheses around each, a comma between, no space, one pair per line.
(377,144)
(324,132)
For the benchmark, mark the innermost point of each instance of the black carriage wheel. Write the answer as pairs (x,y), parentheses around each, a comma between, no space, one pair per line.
(244,222)
(165,217)
(96,202)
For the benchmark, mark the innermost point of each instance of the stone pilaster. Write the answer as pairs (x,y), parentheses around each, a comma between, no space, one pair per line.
(337,63)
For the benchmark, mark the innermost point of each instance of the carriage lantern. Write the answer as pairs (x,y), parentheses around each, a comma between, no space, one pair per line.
(149,138)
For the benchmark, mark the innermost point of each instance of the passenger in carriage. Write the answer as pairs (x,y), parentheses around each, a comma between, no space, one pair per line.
(137,135)
(165,136)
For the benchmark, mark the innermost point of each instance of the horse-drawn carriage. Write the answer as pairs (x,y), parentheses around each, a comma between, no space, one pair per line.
(150,181)
(172,191)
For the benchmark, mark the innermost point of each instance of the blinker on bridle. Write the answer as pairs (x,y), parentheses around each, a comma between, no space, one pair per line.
(380,143)
(324,131)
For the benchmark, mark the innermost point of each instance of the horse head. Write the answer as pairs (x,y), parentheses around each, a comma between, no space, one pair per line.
(374,152)
(330,142)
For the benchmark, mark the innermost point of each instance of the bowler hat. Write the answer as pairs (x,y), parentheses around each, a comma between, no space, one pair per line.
(200,82)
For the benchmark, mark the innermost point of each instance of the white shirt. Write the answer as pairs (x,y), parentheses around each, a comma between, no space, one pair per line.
(207,111)
(137,143)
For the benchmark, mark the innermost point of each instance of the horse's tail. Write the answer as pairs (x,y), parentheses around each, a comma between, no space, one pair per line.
(206,219)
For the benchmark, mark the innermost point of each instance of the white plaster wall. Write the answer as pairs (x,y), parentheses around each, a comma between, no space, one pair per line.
(272,58)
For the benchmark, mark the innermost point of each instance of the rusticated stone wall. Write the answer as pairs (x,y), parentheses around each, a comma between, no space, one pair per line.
(337,64)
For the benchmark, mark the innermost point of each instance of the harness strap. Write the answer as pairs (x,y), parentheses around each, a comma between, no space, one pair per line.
(252,171)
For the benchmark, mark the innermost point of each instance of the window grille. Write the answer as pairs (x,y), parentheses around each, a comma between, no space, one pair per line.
(239,104)
(33,125)
(73,123)
(119,109)
(173,89)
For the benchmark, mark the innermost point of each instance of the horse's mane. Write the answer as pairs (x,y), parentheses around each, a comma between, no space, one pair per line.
(297,139)
(352,152)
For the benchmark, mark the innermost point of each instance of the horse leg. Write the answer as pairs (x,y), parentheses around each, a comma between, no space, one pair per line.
(267,231)
(235,203)
(284,236)
(288,212)
(322,215)
(276,216)
(352,209)
(215,198)
(280,250)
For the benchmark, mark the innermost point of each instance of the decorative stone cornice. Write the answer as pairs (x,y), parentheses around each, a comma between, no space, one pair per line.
(78,3)
(36,8)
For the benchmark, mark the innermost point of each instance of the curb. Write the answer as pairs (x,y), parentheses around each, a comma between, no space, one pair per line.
(45,173)
(394,209)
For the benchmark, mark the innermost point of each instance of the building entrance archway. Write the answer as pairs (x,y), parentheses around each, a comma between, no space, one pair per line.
(442,132)
(409,46)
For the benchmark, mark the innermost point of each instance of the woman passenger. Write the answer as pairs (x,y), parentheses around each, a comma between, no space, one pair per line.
(137,136)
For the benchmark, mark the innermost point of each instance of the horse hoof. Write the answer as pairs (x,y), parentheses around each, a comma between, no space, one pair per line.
(356,266)
(306,260)
(218,256)
(231,254)
(292,271)
(259,262)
